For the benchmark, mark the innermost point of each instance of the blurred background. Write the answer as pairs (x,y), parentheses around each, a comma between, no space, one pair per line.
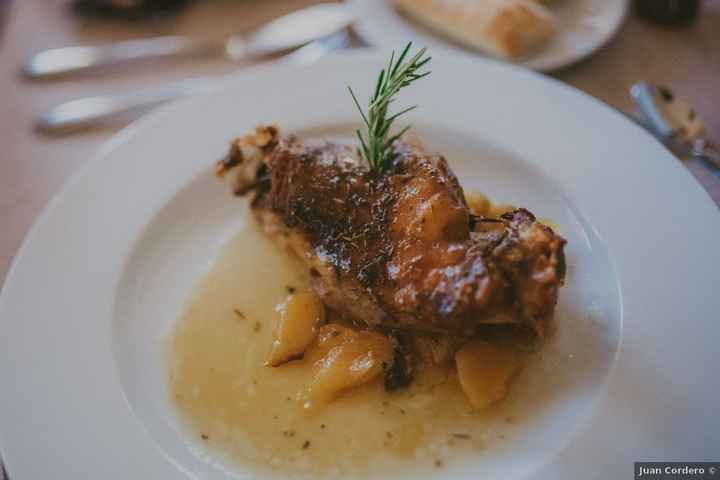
(673,43)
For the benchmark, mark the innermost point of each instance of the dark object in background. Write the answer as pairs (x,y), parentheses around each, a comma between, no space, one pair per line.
(129,9)
(668,12)
(4,7)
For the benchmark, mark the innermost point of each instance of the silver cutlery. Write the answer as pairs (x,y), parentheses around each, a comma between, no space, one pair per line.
(86,112)
(674,123)
(669,119)
(280,35)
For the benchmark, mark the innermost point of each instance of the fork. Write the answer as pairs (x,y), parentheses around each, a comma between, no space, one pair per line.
(83,113)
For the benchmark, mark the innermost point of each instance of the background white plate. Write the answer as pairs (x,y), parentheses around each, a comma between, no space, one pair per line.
(107,267)
(584,26)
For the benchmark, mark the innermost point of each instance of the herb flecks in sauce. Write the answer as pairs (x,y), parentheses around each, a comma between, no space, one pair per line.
(243,407)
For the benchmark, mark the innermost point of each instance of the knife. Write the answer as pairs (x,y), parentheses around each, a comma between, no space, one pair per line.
(83,113)
(280,35)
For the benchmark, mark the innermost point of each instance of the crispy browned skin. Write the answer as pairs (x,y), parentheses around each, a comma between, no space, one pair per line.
(398,249)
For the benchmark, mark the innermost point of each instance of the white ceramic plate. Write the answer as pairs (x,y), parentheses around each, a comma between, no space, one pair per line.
(107,268)
(584,26)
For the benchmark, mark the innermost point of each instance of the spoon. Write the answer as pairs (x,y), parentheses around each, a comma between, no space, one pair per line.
(282,34)
(674,122)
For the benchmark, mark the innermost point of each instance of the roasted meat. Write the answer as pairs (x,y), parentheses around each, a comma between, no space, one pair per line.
(399,249)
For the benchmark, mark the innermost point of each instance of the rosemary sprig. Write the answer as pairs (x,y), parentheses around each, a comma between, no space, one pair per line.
(376,148)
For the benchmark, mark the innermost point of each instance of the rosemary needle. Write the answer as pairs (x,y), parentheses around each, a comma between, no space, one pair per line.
(376,146)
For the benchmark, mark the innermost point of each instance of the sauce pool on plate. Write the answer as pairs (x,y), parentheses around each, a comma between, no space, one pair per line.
(250,414)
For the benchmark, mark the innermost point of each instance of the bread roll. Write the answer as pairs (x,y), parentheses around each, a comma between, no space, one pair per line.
(506,28)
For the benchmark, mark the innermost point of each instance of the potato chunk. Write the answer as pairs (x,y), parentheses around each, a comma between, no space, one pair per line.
(480,205)
(296,327)
(484,371)
(347,358)
(496,210)
(477,202)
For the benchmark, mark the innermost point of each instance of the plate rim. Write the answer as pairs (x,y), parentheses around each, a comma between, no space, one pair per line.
(534,62)
(147,122)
